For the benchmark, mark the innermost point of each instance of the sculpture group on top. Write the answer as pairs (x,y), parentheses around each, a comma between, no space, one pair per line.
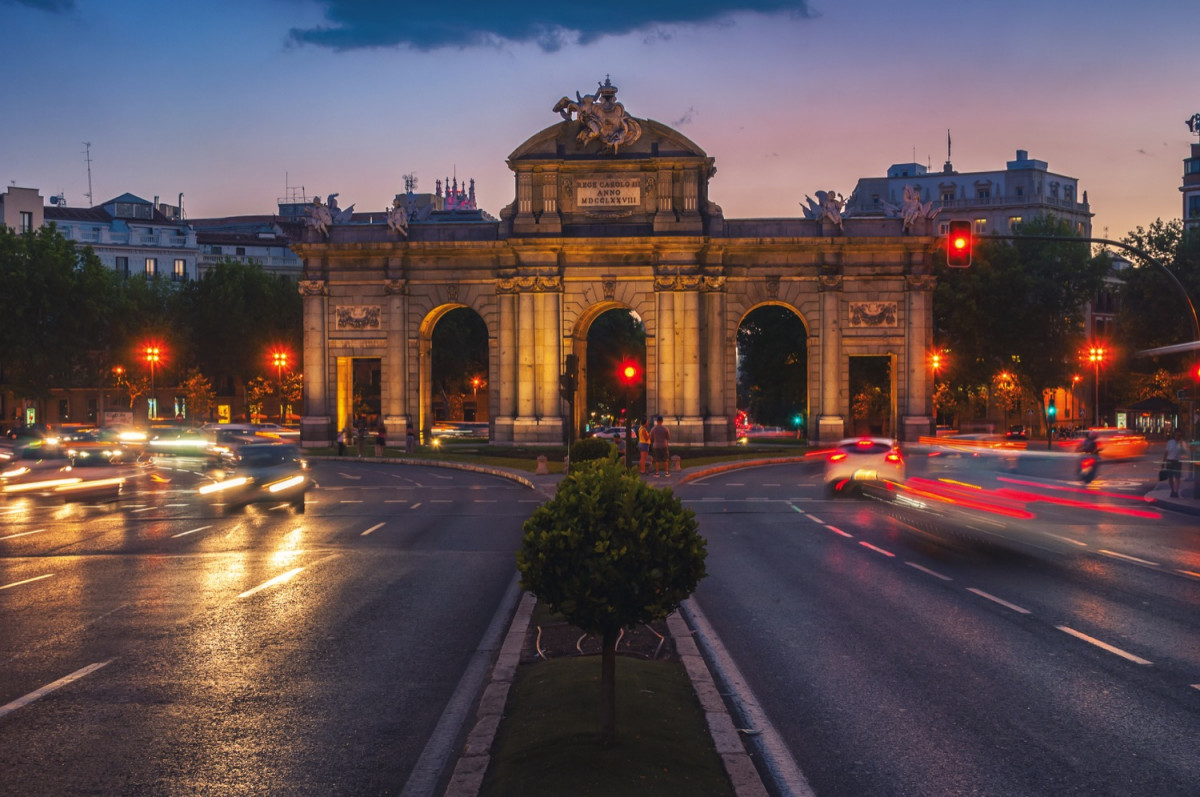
(321,217)
(911,209)
(600,118)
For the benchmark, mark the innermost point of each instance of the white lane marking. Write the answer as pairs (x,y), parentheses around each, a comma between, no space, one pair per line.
(441,501)
(345,501)
(927,571)
(1129,558)
(866,544)
(350,476)
(1000,601)
(1190,573)
(143,509)
(373,528)
(272,582)
(1067,539)
(815,519)
(26,581)
(8,708)
(414,506)
(486,501)
(193,531)
(22,534)
(735,484)
(770,485)
(1103,645)
(836,530)
(776,756)
(396,501)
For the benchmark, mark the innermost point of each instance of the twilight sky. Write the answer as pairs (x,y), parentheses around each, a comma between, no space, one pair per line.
(230,103)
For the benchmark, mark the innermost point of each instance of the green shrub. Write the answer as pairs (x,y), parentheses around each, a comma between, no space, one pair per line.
(590,448)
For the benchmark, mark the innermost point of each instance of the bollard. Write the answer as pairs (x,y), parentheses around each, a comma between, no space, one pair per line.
(542,469)
(675,466)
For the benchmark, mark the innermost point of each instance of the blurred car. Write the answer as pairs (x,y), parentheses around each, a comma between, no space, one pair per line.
(178,441)
(1111,443)
(81,471)
(261,472)
(863,460)
(610,432)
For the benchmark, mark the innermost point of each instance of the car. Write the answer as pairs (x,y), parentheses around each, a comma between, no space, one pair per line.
(1111,443)
(78,471)
(609,432)
(856,461)
(261,472)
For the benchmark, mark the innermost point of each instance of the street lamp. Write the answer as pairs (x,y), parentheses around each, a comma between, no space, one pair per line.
(279,359)
(935,363)
(1096,355)
(153,355)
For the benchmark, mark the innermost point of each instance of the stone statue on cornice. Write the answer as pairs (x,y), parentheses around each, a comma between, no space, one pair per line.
(600,118)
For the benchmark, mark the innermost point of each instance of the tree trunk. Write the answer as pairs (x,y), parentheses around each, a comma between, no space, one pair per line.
(608,690)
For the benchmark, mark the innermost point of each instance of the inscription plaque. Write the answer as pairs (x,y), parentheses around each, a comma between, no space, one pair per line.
(608,192)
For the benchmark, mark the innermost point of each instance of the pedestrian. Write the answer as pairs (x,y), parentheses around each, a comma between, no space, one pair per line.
(380,439)
(1173,457)
(410,439)
(360,433)
(660,451)
(341,443)
(643,446)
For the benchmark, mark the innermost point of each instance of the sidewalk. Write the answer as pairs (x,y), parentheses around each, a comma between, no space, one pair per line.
(1187,502)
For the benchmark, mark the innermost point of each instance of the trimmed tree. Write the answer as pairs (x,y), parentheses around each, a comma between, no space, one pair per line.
(610,552)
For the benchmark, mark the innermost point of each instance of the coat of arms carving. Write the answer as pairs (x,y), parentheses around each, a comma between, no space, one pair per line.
(600,118)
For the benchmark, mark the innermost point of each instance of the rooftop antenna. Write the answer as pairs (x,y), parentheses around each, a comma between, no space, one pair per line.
(410,183)
(88,159)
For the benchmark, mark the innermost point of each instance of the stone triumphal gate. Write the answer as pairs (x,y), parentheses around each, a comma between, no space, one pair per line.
(612,212)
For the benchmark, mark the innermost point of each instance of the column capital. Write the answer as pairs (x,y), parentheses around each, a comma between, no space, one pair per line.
(312,287)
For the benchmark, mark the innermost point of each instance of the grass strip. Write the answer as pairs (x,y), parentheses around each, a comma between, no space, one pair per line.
(549,740)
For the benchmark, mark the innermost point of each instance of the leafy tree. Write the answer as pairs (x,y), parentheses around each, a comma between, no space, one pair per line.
(198,393)
(610,552)
(57,309)
(257,391)
(1018,308)
(231,313)
(772,346)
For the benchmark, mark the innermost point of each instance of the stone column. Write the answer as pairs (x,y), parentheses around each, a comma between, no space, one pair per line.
(665,335)
(526,343)
(504,371)
(396,401)
(831,422)
(549,355)
(917,417)
(316,423)
(714,378)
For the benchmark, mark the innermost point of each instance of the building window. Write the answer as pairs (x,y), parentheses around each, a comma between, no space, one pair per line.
(1191,166)
(122,265)
(152,267)
(180,269)
(1013,223)
(1194,206)
(980,226)
(983,193)
(1020,191)
(64,409)
(216,250)
(26,221)
(943,228)
(241,250)
(948,196)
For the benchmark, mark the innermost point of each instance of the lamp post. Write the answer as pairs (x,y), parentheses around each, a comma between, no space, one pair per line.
(153,355)
(280,359)
(1096,356)
(935,362)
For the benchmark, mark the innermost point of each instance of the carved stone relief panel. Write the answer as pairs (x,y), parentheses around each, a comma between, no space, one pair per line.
(357,316)
(874,314)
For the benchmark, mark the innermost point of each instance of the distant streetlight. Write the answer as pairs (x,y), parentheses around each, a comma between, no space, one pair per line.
(279,358)
(1096,355)
(153,356)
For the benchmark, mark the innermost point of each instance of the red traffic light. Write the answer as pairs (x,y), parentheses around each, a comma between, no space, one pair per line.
(630,373)
(958,244)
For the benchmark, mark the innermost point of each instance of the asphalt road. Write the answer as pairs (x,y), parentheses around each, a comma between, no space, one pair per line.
(160,646)
(900,651)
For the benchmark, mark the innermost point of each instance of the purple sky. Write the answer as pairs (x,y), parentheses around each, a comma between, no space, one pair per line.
(229,103)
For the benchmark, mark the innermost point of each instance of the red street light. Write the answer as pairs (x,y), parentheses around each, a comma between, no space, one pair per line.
(279,359)
(153,356)
(1096,355)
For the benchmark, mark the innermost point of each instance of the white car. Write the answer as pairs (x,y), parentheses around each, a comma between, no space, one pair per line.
(863,460)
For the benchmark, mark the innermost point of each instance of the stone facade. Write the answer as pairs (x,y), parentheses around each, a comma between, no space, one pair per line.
(595,227)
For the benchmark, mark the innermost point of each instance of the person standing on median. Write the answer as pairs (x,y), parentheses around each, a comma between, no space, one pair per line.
(1173,461)
(643,446)
(660,452)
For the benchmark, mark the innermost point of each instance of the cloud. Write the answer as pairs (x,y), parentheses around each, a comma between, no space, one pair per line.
(687,117)
(53,6)
(360,24)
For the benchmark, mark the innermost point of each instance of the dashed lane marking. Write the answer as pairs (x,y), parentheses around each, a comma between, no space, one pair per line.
(20,702)
(874,548)
(1000,601)
(1103,645)
(376,527)
(26,581)
(191,531)
(22,534)
(927,571)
